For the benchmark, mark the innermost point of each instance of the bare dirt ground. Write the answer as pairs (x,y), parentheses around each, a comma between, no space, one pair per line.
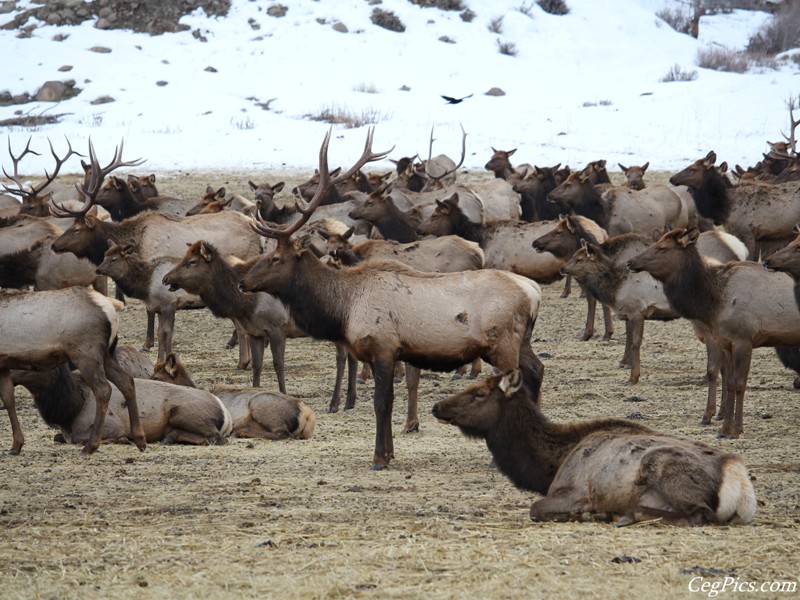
(310,519)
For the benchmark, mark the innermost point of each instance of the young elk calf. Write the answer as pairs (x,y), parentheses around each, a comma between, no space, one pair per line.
(42,330)
(600,469)
(256,413)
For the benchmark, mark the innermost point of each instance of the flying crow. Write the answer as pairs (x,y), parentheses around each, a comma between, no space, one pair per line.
(455,100)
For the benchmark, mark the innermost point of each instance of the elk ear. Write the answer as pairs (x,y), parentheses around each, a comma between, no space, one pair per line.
(209,189)
(510,382)
(568,223)
(325,235)
(151,179)
(723,166)
(452,200)
(687,237)
(510,152)
(86,166)
(220,193)
(349,233)
(171,364)
(278,187)
(128,250)
(623,167)
(205,252)
(111,243)
(252,185)
(710,159)
(645,165)
(796,228)
(335,172)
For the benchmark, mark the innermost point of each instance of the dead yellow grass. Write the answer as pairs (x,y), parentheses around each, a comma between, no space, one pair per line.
(309,519)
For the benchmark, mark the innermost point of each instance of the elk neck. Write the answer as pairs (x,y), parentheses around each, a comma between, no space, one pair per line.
(57,393)
(693,289)
(712,198)
(222,295)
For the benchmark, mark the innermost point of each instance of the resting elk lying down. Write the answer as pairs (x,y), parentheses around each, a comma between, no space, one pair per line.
(169,413)
(42,330)
(741,305)
(599,469)
(387,312)
(256,413)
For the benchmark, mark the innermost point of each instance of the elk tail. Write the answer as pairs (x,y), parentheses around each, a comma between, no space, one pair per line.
(736,498)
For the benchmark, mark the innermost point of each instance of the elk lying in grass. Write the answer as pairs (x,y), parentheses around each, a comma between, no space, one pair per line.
(634,175)
(255,413)
(386,312)
(42,330)
(741,305)
(599,469)
(762,215)
(169,413)
(141,279)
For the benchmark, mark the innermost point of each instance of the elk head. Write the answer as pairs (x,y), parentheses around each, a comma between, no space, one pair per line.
(115,260)
(694,175)
(500,164)
(663,257)
(273,272)
(443,218)
(634,175)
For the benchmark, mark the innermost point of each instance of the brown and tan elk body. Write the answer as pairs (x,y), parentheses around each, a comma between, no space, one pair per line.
(387,312)
(762,215)
(42,330)
(256,413)
(600,469)
(141,279)
(742,306)
(169,413)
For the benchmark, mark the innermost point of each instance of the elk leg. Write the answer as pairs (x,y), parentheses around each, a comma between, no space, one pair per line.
(636,325)
(608,322)
(742,355)
(257,345)
(124,383)
(7,394)
(150,335)
(244,347)
(277,345)
(352,371)
(626,356)
(567,287)
(341,357)
(166,326)
(713,365)
(399,371)
(92,373)
(365,374)
(180,436)
(559,509)
(383,372)
(250,428)
(412,384)
(475,369)
(591,310)
(232,341)
(728,395)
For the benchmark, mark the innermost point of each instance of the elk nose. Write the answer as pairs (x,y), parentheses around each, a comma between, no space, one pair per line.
(630,265)
(241,287)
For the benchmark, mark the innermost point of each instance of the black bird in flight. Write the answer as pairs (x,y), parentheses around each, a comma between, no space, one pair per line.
(455,100)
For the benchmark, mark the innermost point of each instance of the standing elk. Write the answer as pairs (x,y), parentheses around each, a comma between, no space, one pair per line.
(742,306)
(599,469)
(256,413)
(42,330)
(762,215)
(387,312)
(141,279)
(533,190)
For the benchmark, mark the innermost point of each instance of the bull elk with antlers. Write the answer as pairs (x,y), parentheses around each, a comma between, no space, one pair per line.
(386,312)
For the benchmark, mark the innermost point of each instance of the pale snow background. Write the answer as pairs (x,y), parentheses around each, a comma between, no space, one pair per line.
(582,87)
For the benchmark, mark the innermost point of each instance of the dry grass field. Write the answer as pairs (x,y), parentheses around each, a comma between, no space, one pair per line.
(309,519)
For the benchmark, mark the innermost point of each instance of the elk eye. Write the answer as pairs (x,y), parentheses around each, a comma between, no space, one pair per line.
(193,262)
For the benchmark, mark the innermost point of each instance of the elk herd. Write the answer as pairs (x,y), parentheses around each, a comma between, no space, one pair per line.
(413,269)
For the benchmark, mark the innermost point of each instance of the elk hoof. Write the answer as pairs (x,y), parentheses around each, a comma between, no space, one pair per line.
(378,467)
(455,377)
(411,428)
(705,421)
(586,335)
(796,383)
(361,380)
(144,349)
(350,405)
(333,409)
(607,337)
(59,439)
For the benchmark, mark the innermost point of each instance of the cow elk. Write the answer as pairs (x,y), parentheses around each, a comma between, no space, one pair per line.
(42,330)
(599,469)
(169,413)
(762,215)
(386,312)
(740,304)
(256,413)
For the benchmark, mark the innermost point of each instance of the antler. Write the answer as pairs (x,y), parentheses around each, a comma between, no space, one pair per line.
(791,139)
(306,209)
(437,178)
(96,176)
(49,178)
